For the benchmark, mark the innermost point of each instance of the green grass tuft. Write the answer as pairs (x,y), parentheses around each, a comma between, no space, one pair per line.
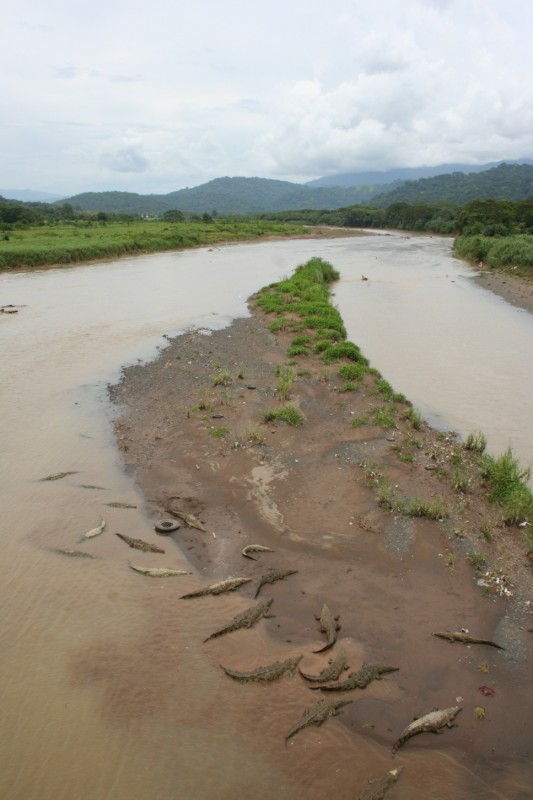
(219,433)
(353,372)
(347,350)
(222,378)
(476,443)
(288,414)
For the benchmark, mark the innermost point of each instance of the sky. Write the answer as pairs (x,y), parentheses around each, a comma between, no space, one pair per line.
(152,96)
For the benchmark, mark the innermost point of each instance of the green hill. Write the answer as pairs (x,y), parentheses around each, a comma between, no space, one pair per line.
(248,196)
(226,196)
(504,182)
(402,174)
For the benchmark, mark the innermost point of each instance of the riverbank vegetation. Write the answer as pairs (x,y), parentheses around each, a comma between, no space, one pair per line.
(65,242)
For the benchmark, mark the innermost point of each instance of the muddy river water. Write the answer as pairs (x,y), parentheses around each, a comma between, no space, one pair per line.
(462,356)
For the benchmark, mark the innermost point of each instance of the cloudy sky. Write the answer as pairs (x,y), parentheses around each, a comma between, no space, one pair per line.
(156,95)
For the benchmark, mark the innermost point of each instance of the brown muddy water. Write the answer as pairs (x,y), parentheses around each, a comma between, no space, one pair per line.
(107,693)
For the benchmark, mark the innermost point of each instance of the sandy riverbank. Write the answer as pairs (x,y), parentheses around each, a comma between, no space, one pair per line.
(311,494)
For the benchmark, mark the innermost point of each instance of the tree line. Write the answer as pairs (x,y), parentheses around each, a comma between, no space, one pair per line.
(479,217)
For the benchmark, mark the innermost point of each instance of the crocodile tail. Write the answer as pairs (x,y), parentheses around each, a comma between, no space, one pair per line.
(326,647)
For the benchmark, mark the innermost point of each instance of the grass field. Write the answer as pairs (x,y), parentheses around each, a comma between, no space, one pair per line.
(89,240)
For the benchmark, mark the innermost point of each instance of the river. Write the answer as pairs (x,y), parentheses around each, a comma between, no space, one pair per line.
(457,351)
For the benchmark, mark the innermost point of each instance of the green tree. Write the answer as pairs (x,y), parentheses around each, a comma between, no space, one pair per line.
(173,215)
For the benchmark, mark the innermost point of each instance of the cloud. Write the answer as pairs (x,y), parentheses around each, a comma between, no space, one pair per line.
(156,99)
(66,72)
(125,78)
(125,158)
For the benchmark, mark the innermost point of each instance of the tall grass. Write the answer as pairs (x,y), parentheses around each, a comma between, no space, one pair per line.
(86,240)
(508,486)
(497,251)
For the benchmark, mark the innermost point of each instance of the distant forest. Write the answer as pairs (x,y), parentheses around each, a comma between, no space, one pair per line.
(497,202)
(256,196)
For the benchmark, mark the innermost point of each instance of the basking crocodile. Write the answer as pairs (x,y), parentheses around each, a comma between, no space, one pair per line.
(157,572)
(358,680)
(429,723)
(316,715)
(330,673)
(138,544)
(255,548)
(272,576)
(269,673)
(228,585)
(188,519)
(465,638)
(328,625)
(378,788)
(66,551)
(245,620)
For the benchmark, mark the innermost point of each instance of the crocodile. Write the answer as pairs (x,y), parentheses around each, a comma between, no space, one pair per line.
(138,544)
(269,673)
(465,638)
(57,476)
(316,715)
(188,519)
(255,548)
(358,680)
(272,576)
(245,620)
(67,551)
(94,531)
(328,625)
(120,505)
(377,789)
(332,672)
(157,572)
(429,723)
(228,585)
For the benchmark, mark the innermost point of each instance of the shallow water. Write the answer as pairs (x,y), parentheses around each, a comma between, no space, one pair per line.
(459,352)
(105,692)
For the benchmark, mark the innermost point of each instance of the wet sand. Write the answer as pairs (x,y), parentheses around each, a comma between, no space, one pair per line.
(311,494)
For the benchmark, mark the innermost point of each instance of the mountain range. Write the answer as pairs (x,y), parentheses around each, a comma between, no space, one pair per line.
(405,174)
(455,184)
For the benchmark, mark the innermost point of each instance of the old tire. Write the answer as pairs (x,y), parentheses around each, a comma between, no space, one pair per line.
(166,526)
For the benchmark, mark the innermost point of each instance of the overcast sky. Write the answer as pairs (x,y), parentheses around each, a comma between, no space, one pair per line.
(156,95)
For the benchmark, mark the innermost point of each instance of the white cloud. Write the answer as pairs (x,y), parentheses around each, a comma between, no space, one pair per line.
(125,158)
(152,97)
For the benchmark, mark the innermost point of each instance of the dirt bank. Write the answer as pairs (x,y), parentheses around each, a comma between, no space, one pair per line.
(325,497)
(515,289)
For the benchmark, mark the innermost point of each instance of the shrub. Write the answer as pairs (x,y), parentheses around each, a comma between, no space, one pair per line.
(508,486)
